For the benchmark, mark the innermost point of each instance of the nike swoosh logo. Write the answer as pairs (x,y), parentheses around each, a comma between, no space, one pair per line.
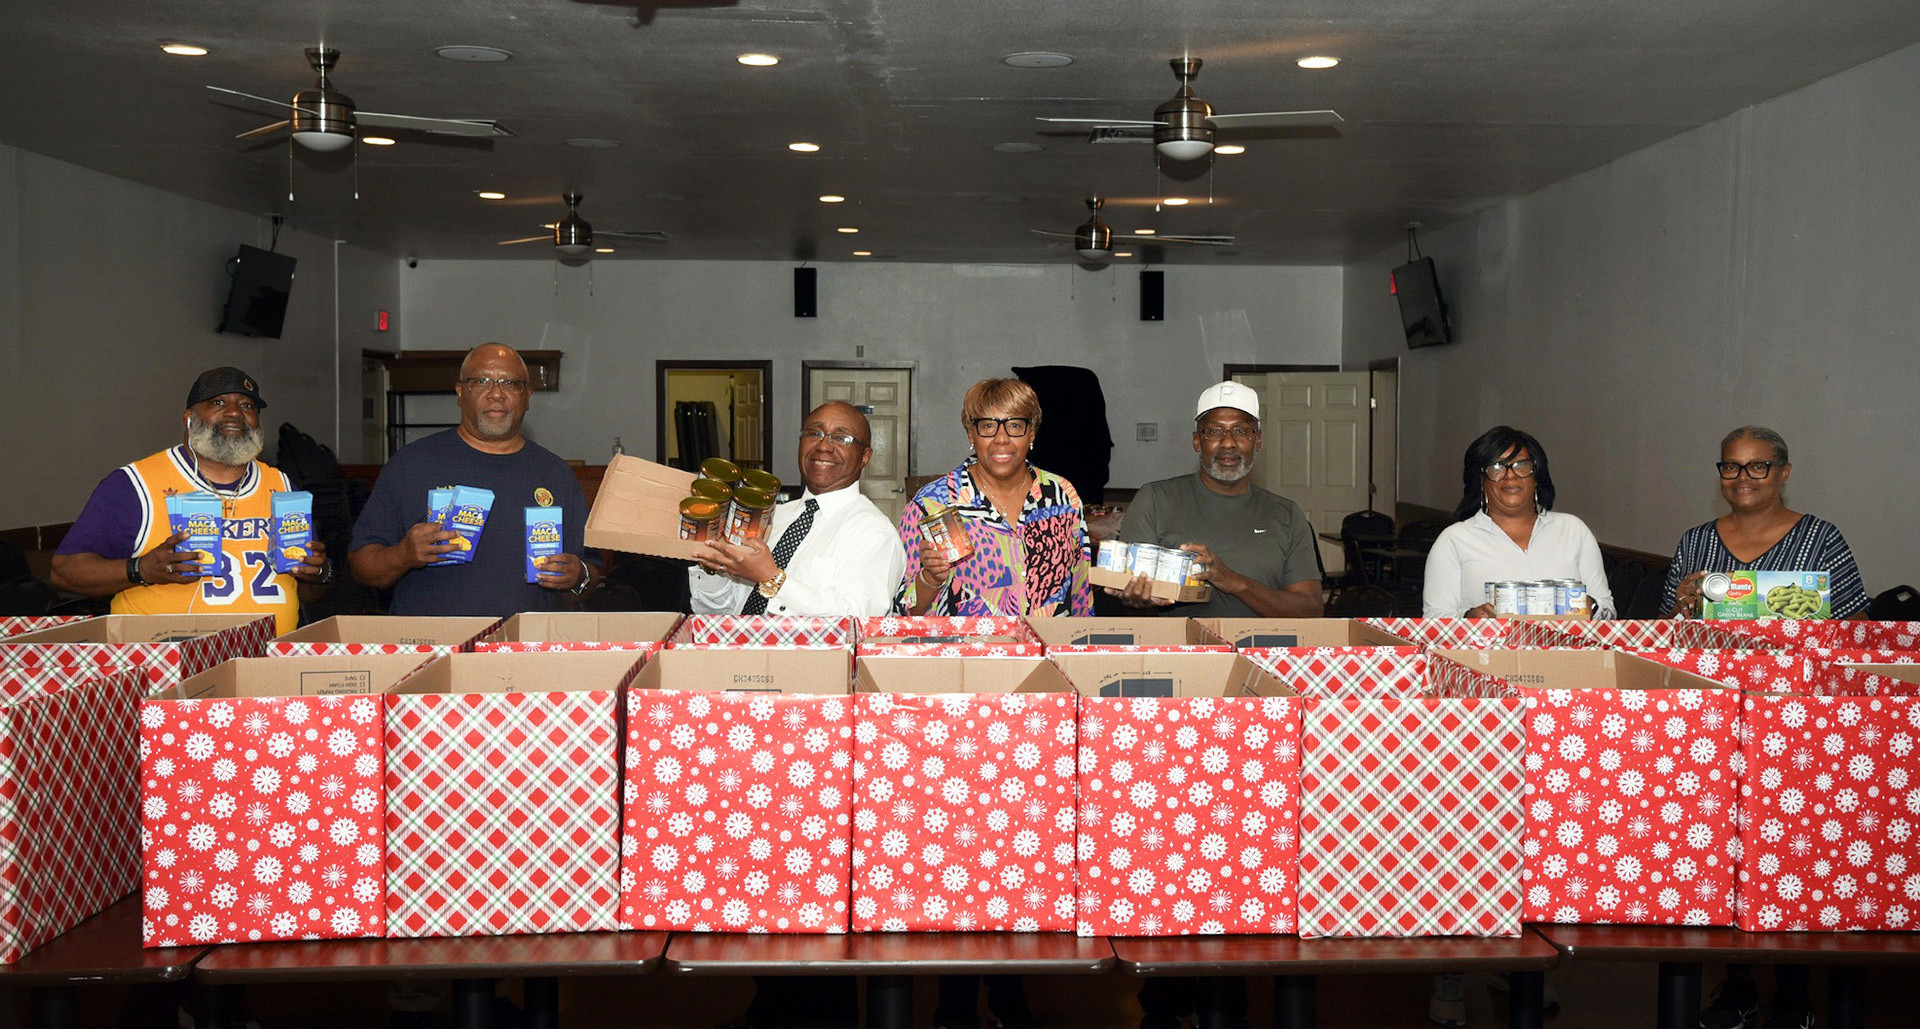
(1257,532)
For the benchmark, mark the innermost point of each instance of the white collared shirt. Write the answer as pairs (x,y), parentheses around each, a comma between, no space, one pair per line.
(1470,554)
(849,564)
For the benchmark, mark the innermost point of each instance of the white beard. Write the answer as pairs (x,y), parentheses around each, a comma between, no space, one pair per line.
(211,446)
(1226,473)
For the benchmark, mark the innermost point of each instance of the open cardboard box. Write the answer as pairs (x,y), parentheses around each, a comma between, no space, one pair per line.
(1160,589)
(1119,673)
(1576,669)
(166,647)
(892,673)
(1244,633)
(296,676)
(818,670)
(585,627)
(1145,631)
(637,509)
(420,633)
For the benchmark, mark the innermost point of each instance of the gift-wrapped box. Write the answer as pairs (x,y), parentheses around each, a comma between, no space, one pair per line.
(762,631)
(1829,800)
(1189,769)
(983,636)
(964,795)
(1267,633)
(1630,787)
(503,796)
(1766,670)
(382,634)
(167,647)
(1448,633)
(14,625)
(69,805)
(1410,816)
(736,809)
(581,630)
(1830,633)
(262,801)
(1365,671)
(1167,634)
(1663,634)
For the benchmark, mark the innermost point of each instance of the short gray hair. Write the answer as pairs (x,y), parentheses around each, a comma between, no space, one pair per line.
(1764,435)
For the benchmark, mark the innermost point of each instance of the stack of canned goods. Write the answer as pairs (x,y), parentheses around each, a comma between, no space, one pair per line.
(728,503)
(1165,564)
(1537,597)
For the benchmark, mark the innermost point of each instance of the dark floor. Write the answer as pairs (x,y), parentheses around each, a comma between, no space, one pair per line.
(1593,995)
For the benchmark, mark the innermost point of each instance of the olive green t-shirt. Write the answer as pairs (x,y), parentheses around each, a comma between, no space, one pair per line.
(1261,535)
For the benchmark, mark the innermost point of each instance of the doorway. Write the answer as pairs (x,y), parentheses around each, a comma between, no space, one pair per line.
(884,393)
(712,409)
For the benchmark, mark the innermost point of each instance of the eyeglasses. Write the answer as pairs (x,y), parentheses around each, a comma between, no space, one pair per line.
(842,438)
(1220,432)
(485,384)
(1754,469)
(1015,427)
(1522,469)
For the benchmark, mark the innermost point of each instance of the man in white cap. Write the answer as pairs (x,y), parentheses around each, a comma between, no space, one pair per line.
(1256,547)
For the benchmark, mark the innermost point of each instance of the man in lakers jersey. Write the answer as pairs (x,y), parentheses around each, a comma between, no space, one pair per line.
(122,545)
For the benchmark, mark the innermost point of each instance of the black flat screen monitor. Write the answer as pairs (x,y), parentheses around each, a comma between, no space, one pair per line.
(257,302)
(1423,312)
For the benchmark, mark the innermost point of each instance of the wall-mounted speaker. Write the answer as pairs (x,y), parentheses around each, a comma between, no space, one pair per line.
(1153,296)
(806,293)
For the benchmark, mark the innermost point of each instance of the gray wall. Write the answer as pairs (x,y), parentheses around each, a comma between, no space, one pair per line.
(1758,269)
(961,323)
(109,294)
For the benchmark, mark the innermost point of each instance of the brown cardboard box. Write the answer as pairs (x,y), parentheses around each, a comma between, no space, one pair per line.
(1119,673)
(586,627)
(638,509)
(1244,633)
(166,648)
(1144,631)
(372,633)
(819,670)
(1167,591)
(1574,669)
(893,673)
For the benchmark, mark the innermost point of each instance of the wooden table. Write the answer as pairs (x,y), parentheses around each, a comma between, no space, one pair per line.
(472,962)
(1680,952)
(1294,962)
(888,960)
(103,950)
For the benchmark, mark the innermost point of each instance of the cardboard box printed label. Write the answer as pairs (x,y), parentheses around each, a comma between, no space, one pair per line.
(1751,594)
(543,538)
(199,515)
(291,530)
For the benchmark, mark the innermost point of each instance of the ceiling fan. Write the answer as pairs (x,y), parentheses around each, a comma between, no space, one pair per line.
(1094,240)
(324,118)
(1184,127)
(573,237)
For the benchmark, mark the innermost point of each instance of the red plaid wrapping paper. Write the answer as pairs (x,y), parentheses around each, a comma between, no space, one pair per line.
(262,818)
(762,631)
(1663,634)
(1829,801)
(1410,817)
(1144,648)
(561,646)
(1456,681)
(502,813)
(1630,806)
(964,812)
(13,625)
(48,667)
(983,636)
(1782,671)
(1189,815)
(1323,672)
(1447,633)
(316,648)
(736,812)
(69,807)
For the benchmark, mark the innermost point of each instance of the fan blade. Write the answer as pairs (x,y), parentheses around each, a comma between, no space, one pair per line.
(1276,119)
(1197,241)
(644,234)
(263,130)
(1050,232)
(250,96)
(1118,123)
(530,239)
(444,126)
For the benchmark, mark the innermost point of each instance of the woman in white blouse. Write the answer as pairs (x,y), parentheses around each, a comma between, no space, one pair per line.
(1506,529)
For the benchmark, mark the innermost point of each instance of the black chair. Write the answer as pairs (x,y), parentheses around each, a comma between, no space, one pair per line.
(1899,604)
(1623,578)
(1645,602)
(1363,529)
(20,592)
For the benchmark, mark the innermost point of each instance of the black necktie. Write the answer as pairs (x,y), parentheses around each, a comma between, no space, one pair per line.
(783,552)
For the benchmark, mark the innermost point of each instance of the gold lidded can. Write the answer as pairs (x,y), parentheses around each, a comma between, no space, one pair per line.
(749,515)
(761,479)
(722,469)
(700,518)
(711,489)
(945,531)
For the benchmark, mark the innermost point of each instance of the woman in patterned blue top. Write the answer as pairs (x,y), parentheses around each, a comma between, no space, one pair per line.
(1760,531)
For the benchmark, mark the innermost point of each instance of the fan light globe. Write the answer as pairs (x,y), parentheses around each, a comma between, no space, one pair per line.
(572,249)
(1185,149)
(324,142)
(1092,254)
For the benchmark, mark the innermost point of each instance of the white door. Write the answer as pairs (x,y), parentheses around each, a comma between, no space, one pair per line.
(747,415)
(1386,441)
(1317,443)
(884,395)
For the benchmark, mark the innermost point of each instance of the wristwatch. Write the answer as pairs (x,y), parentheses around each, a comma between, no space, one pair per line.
(586,579)
(326,574)
(772,586)
(133,571)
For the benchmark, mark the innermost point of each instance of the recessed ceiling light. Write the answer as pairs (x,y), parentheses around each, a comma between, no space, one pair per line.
(1017,148)
(848,229)
(183,49)
(832,198)
(593,143)
(376,140)
(758,60)
(1037,59)
(1230,149)
(603,250)
(803,148)
(487,194)
(474,54)
(1143,232)
(863,253)
(1175,201)
(1317,62)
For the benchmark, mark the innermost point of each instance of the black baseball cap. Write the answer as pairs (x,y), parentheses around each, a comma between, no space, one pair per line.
(223,380)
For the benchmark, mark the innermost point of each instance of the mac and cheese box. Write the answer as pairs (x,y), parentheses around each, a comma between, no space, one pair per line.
(198,514)
(292,529)
(543,539)
(467,516)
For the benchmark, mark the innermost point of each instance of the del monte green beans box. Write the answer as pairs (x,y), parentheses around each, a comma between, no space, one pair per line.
(1758,594)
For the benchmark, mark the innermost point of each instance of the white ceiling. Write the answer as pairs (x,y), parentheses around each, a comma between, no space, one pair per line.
(1449,105)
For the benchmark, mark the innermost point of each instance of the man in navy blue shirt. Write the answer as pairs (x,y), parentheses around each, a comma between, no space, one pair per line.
(396,544)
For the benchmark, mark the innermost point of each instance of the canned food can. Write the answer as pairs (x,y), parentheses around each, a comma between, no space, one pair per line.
(762,480)
(1174,566)
(700,518)
(1576,597)
(1539,598)
(749,515)
(712,489)
(944,530)
(1507,598)
(1715,586)
(1143,559)
(722,469)
(1489,590)
(1112,556)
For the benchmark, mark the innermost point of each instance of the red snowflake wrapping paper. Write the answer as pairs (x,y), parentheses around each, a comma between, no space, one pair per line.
(562,646)
(27,666)
(1780,671)
(13,625)
(1829,801)
(1411,818)
(736,812)
(763,631)
(1324,672)
(981,636)
(1189,815)
(963,816)
(1837,673)
(502,813)
(69,807)
(1833,634)
(262,818)
(1630,806)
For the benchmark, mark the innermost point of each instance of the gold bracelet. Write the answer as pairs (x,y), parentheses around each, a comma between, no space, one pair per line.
(936,586)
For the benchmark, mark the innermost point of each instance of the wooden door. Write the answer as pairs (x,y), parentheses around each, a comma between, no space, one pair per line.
(1316,428)
(885,396)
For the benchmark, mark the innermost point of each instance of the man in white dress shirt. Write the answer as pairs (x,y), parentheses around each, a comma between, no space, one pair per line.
(842,554)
